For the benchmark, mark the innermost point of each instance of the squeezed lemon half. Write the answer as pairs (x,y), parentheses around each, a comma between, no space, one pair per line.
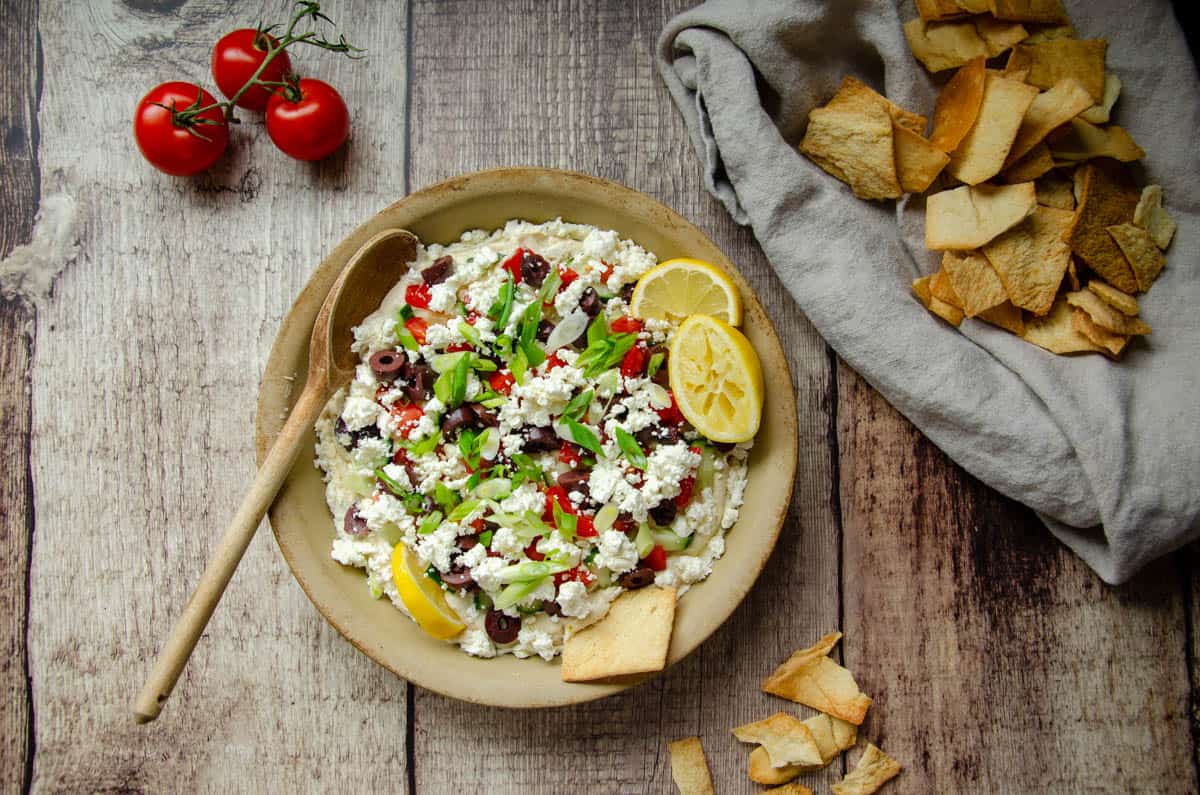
(680,287)
(424,598)
(717,379)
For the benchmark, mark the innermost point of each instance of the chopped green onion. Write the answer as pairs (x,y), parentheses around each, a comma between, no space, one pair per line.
(464,510)
(644,541)
(487,394)
(530,319)
(405,312)
(526,469)
(630,447)
(495,489)
(608,383)
(445,362)
(485,538)
(458,382)
(583,436)
(502,309)
(406,339)
(515,593)
(441,388)
(433,574)
(414,503)
(429,523)
(519,365)
(534,522)
(392,486)
(670,541)
(550,286)
(473,481)
(493,403)
(483,365)
(598,330)
(591,555)
(444,496)
(565,522)
(605,517)
(656,360)
(503,347)
(579,404)
(426,445)
(470,333)
(707,471)
(483,602)
(528,611)
(529,570)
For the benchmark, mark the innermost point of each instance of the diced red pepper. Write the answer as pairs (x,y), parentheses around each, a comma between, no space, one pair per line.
(657,559)
(478,524)
(671,414)
(607,272)
(634,361)
(417,295)
(556,494)
(501,381)
(577,574)
(686,487)
(553,362)
(400,457)
(513,264)
(408,416)
(472,316)
(456,347)
(626,325)
(568,454)
(417,327)
(585,527)
(566,275)
(531,550)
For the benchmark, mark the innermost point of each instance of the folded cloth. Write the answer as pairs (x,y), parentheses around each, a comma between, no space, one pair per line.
(1107,453)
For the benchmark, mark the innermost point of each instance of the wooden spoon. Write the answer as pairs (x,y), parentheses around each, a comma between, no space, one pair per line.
(360,288)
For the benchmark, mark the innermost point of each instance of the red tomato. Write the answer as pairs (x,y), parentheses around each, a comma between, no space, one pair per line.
(513,264)
(671,414)
(567,276)
(312,126)
(553,362)
(407,417)
(634,362)
(417,327)
(657,559)
(459,347)
(237,57)
(585,527)
(625,526)
(417,295)
(577,574)
(686,487)
(472,316)
(531,550)
(556,494)
(502,381)
(626,325)
(172,147)
(608,271)
(568,454)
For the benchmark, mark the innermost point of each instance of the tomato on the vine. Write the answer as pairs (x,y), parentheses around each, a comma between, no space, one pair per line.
(308,121)
(174,144)
(236,58)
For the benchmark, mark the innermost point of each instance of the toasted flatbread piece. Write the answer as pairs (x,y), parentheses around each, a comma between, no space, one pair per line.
(632,639)
(1140,251)
(855,145)
(874,769)
(1106,196)
(941,289)
(1040,33)
(974,281)
(918,162)
(982,152)
(809,677)
(1032,257)
(855,93)
(763,772)
(1086,141)
(957,105)
(939,9)
(1055,333)
(1073,275)
(689,768)
(944,45)
(1051,61)
(1106,316)
(1082,322)
(968,217)
(1006,316)
(1150,215)
(1050,109)
(1055,190)
(785,738)
(1124,303)
(794,788)
(947,312)
(832,735)
(1034,164)
(998,36)
(973,6)
(1041,11)
(1100,114)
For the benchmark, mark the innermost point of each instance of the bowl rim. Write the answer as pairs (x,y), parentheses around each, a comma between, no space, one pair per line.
(298,320)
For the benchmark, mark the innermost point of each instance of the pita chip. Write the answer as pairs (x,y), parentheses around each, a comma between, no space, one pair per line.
(1055,332)
(918,162)
(947,312)
(689,767)
(957,105)
(855,145)
(1082,322)
(944,45)
(786,740)
(855,93)
(1035,163)
(983,151)
(874,769)
(1050,109)
(1107,197)
(1032,257)
(974,281)
(1051,61)
(1106,316)
(1150,215)
(809,677)
(1100,114)
(1144,257)
(1124,303)
(972,215)
(1041,11)
(632,639)
(1086,141)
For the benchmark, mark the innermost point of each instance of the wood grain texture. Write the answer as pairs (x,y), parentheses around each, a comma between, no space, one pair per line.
(18,203)
(999,662)
(147,366)
(572,85)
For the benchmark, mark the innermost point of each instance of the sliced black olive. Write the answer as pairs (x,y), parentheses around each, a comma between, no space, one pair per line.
(663,513)
(589,302)
(419,380)
(501,628)
(627,292)
(551,607)
(388,364)
(486,417)
(458,577)
(543,330)
(460,417)
(540,440)
(354,524)
(638,578)
(439,271)
(534,269)
(657,434)
(574,480)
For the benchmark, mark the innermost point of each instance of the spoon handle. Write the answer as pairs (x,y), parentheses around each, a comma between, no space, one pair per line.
(226,556)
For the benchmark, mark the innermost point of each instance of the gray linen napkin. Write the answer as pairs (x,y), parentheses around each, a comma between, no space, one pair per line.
(1107,453)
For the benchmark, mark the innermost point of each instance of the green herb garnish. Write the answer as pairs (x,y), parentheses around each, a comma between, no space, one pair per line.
(629,446)
(656,360)
(583,435)
(485,538)
(502,308)
(565,522)
(464,510)
(444,496)
(579,404)
(525,470)
(519,365)
(392,486)
(429,523)
(458,382)
(426,445)
(404,313)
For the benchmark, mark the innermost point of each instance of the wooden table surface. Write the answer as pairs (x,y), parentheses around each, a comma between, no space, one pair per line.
(997,660)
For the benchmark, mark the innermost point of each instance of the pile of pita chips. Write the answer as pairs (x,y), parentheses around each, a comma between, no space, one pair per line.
(1032,202)
(632,639)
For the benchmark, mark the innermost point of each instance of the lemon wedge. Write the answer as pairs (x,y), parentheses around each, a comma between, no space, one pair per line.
(680,287)
(422,596)
(717,379)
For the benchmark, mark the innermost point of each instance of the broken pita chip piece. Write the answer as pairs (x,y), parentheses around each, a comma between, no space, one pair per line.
(632,639)
(793,788)
(974,6)
(1102,112)
(874,769)
(1040,33)
(1055,332)
(832,735)
(763,772)
(1032,257)
(1035,163)
(854,93)
(809,677)
(941,289)
(973,280)
(1086,141)
(1050,109)
(855,145)
(971,216)
(1055,190)
(947,312)
(944,45)
(1124,303)
(1006,316)
(689,767)
(1144,257)
(998,36)
(1048,12)
(786,740)
(1051,61)
(1073,274)
(1105,316)
(957,105)
(1150,215)
(1107,196)
(982,153)
(939,9)
(918,162)
(1114,343)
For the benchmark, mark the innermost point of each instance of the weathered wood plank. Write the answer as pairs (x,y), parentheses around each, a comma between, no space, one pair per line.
(147,366)
(573,86)
(1187,561)
(18,200)
(999,662)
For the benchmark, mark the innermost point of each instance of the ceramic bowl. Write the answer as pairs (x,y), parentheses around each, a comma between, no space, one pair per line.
(302,523)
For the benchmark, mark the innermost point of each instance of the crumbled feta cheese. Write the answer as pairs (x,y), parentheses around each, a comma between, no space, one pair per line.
(572,598)
(484,573)
(359,412)
(477,643)
(616,552)
(505,542)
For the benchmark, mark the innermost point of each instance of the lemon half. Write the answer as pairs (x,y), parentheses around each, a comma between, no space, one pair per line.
(681,287)
(423,597)
(717,379)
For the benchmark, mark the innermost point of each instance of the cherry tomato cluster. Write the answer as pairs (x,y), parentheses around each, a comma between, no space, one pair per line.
(182,130)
